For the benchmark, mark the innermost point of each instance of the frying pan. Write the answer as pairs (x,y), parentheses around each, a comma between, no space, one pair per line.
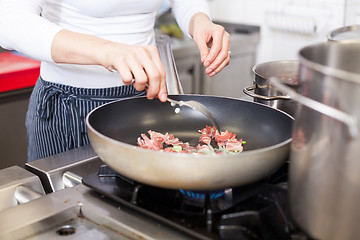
(113,130)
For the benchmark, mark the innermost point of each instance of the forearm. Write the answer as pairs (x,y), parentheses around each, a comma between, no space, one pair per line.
(77,48)
(137,65)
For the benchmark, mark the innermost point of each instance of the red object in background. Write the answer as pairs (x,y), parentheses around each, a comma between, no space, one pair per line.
(17,72)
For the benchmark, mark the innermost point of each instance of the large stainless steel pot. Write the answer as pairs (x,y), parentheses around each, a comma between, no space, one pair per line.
(324,172)
(264,93)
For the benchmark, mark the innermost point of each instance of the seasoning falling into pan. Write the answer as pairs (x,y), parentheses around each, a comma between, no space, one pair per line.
(196,106)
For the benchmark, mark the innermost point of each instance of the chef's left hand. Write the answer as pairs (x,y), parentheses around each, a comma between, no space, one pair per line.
(213,42)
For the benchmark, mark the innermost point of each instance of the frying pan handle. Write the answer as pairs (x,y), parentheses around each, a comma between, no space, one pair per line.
(247,91)
(348,120)
(167,58)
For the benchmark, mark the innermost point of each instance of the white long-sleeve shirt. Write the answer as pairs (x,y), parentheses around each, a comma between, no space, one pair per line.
(29,27)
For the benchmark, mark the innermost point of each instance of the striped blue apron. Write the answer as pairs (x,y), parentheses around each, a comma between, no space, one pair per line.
(55,120)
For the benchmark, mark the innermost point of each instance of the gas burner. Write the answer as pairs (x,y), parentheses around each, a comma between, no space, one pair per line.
(201,195)
(255,211)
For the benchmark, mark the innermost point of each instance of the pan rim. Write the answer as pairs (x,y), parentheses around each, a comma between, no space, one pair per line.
(182,155)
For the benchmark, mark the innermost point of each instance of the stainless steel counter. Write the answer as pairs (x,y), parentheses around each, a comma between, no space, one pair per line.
(73,211)
(65,169)
(18,186)
(79,213)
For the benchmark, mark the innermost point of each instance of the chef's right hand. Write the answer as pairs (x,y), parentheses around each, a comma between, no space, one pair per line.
(139,65)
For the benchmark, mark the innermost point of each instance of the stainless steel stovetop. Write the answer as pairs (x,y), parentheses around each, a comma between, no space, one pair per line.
(78,213)
(71,210)
(46,200)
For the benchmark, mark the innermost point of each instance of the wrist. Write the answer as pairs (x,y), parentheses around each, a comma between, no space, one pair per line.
(196,20)
(103,53)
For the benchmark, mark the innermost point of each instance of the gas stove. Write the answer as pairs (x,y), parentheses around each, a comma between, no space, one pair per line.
(101,202)
(255,211)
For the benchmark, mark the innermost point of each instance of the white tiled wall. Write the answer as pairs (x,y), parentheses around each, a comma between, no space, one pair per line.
(288,25)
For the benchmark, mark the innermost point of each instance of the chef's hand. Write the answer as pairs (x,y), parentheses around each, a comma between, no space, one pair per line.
(139,65)
(208,35)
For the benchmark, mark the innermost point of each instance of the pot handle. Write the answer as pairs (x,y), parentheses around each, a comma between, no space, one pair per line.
(348,120)
(247,91)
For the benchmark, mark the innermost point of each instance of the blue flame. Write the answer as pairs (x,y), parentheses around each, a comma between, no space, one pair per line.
(201,194)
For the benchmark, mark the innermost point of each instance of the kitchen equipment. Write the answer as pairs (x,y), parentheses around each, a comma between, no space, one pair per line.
(163,44)
(351,32)
(255,211)
(137,211)
(77,213)
(264,93)
(18,186)
(324,180)
(65,169)
(113,130)
(111,206)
